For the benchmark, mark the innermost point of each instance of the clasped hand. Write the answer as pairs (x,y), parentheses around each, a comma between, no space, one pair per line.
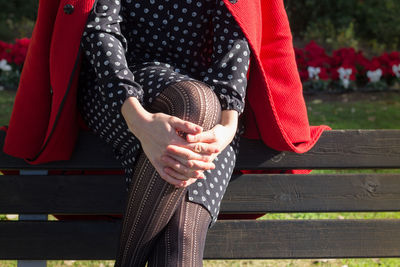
(180,162)
(196,154)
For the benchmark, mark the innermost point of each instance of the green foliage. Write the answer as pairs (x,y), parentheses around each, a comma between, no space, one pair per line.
(325,32)
(17,18)
(10,79)
(380,20)
(303,13)
(374,23)
(18,9)
(315,86)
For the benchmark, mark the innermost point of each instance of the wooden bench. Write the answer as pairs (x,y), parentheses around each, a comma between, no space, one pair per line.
(33,194)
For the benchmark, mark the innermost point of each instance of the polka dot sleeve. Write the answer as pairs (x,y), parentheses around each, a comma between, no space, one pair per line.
(105,47)
(230,60)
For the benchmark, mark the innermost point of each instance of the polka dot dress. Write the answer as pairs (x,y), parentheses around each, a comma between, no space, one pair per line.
(137,48)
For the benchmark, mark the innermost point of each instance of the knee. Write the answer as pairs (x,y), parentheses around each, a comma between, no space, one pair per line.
(193,101)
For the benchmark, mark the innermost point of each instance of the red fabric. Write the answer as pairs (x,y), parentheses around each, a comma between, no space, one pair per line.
(44,125)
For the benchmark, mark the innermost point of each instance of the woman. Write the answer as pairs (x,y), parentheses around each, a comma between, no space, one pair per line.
(185,58)
(275,110)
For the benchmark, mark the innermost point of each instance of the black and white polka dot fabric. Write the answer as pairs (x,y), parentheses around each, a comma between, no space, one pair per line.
(137,48)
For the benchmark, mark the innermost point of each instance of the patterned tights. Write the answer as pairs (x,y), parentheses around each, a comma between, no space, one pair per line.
(160,226)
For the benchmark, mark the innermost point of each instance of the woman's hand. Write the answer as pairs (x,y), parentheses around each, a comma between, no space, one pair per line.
(158,131)
(213,141)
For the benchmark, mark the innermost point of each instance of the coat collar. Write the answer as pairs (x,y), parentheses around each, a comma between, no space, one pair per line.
(247,14)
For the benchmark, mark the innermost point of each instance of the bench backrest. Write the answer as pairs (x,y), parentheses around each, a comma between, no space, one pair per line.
(36,192)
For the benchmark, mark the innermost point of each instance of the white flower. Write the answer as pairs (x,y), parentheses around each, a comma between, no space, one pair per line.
(345,73)
(344,76)
(313,72)
(374,76)
(346,83)
(4,66)
(396,70)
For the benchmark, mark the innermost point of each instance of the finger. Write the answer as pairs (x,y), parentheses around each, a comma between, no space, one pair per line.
(201,165)
(172,180)
(193,165)
(180,176)
(185,126)
(181,168)
(203,148)
(186,154)
(204,137)
(189,182)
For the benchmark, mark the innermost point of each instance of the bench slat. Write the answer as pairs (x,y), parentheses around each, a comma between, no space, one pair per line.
(251,193)
(82,240)
(335,149)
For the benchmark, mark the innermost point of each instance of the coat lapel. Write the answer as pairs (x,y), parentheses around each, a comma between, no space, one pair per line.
(247,13)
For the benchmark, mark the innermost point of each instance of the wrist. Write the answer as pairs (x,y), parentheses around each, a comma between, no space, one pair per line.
(135,115)
(229,118)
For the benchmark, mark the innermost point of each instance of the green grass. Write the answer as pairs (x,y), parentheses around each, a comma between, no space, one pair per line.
(6,102)
(352,111)
(356,111)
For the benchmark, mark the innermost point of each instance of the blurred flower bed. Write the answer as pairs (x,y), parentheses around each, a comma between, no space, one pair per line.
(344,70)
(12,57)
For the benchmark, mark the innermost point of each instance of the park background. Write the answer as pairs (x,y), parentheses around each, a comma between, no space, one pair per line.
(360,35)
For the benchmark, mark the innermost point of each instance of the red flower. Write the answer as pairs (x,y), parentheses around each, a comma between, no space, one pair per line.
(315,56)
(374,64)
(313,50)
(304,75)
(300,58)
(313,61)
(388,60)
(5,51)
(19,50)
(362,62)
(344,56)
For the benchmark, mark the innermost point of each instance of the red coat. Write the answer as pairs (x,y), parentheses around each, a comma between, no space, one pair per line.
(44,124)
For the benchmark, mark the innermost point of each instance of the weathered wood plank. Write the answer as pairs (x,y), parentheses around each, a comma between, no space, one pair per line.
(82,240)
(253,193)
(60,194)
(304,239)
(335,149)
(312,193)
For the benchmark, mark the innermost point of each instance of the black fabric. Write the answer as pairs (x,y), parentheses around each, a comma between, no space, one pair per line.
(199,39)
